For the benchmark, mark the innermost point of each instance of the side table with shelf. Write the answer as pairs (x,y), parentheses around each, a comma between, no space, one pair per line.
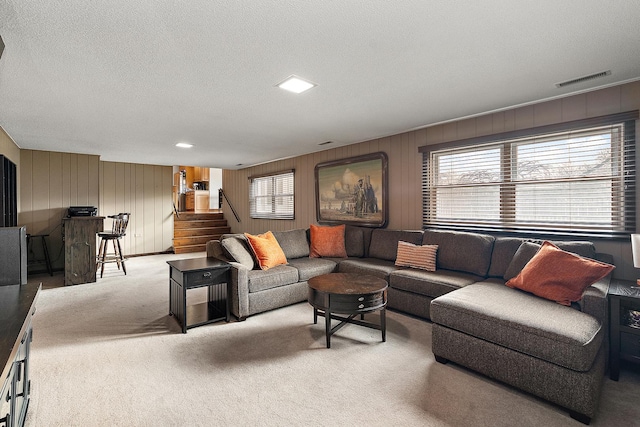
(195,273)
(623,296)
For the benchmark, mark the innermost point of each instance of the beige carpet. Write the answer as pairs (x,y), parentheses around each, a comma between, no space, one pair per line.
(108,354)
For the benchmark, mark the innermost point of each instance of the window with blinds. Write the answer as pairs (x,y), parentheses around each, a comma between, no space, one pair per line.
(576,178)
(272,196)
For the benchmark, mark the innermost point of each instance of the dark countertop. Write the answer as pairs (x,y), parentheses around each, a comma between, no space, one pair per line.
(16,304)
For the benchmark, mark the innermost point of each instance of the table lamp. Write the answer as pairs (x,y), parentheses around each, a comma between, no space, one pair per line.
(635,249)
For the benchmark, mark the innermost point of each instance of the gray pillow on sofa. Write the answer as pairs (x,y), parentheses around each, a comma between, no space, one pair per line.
(523,255)
(236,249)
(504,248)
(294,243)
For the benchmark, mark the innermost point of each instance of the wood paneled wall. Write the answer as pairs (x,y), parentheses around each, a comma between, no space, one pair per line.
(405,163)
(52,181)
(145,192)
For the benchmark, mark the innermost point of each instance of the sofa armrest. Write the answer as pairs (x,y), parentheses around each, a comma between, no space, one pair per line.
(239,290)
(594,300)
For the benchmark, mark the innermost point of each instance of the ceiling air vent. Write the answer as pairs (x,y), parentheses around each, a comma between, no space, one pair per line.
(584,79)
(326,143)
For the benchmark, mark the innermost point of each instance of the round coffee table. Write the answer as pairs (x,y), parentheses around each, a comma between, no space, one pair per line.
(351,294)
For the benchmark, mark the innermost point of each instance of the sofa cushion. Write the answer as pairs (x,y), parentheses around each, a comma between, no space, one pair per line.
(266,249)
(237,249)
(294,243)
(432,284)
(584,249)
(558,275)
(354,241)
(422,257)
(280,275)
(327,241)
(384,243)
(523,255)
(373,266)
(312,267)
(522,322)
(462,251)
(504,248)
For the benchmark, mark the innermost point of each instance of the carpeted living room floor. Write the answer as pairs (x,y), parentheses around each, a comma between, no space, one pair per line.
(109,354)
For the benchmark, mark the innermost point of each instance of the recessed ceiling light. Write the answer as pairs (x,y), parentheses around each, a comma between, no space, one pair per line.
(184,145)
(295,84)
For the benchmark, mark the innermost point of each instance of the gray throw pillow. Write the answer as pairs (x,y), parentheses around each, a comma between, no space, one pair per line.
(294,243)
(236,249)
(523,255)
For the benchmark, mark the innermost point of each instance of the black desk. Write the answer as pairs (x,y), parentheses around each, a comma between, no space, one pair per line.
(194,273)
(17,305)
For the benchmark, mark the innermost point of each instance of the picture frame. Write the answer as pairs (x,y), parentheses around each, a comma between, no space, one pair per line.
(353,190)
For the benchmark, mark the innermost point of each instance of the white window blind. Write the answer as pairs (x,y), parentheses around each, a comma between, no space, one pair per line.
(579,180)
(272,196)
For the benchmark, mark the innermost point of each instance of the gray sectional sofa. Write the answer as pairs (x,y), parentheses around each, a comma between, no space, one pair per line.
(552,351)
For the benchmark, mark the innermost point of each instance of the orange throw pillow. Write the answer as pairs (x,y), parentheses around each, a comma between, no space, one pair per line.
(327,242)
(558,275)
(266,249)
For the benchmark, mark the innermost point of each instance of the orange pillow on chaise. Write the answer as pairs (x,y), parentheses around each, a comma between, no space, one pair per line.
(266,249)
(558,275)
(327,242)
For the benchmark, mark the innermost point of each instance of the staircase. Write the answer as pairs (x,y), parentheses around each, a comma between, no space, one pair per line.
(192,231)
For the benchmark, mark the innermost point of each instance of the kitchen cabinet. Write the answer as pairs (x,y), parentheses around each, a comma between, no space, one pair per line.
(190,200)
(200,174)
(202,200)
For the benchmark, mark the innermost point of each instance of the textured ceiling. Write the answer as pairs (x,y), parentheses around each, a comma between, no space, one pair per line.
(126,79)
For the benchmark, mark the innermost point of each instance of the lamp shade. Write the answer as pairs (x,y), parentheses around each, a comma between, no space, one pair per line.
(635,248)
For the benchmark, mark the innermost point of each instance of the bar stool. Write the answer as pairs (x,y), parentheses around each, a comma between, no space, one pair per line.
(45,250)
(118,229)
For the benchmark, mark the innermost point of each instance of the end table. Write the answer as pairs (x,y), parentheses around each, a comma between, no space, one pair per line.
(194,273)
(624,296)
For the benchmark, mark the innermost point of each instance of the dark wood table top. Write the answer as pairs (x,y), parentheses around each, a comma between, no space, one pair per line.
(347,283)
(197,264)
(624,288)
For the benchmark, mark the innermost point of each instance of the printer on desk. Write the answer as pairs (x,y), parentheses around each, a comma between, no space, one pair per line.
(82,211)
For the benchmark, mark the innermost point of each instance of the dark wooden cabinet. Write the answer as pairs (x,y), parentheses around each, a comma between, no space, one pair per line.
(8,193)
(624,301)
(17,302)
(80,248)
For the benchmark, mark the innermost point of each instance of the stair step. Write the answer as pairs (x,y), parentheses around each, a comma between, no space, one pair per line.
(203,231)
(192,230)
(194,240)
(200,223)
(190,249)
(188,216)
